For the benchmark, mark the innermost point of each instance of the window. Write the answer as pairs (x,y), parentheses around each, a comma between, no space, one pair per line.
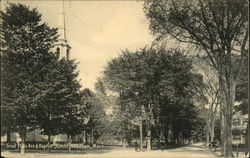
(67,55)
(57,52)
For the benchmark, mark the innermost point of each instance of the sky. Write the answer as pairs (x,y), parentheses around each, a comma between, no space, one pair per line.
(97,31)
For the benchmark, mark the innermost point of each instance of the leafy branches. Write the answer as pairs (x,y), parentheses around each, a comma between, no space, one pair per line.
(40,91)
(154,85)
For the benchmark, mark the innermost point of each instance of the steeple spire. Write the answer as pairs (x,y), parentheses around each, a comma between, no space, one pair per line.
(61,48)
(62,27)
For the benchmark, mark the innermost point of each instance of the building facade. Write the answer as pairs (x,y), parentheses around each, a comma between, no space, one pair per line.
(239,126)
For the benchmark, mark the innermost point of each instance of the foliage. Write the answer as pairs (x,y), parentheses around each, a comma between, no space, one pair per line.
(60,109)
(154,84)
(200,22)
(39,90)
(97,119)
(220,30)
(24,51)
(242,91)
(211,93)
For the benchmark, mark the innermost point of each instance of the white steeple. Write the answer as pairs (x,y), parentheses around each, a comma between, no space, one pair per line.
(61,23)
(61,48)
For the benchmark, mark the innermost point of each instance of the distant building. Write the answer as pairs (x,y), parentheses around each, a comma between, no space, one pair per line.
(239,126)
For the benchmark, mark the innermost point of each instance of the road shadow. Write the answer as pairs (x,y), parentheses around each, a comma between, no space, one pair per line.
(183,148)
(168,147)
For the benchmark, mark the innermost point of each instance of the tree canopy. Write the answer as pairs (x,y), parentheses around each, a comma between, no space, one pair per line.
(153,85)
(219,29)
(39,90)
(25,45)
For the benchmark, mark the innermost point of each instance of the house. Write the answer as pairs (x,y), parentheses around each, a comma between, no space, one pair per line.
(239,126)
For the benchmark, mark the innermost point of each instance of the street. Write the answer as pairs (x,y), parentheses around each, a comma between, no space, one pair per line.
(191,151)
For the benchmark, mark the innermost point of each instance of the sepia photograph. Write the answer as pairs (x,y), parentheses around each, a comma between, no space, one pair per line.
(125,78)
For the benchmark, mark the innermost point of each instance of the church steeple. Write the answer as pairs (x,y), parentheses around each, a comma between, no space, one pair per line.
(61,48)
(61,23)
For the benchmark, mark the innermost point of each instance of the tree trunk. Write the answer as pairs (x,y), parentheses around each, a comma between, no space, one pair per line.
(166,136)
(69,142)
(49,136)
(248,125)
(148,135)
(23,136)
(247,136)
(212,130)
(49,139)
(228,91)
(124,135)
(128,140)
(124,143)
(159,137)
(141,136)
(228,119)
(178,140)
(171,134)
(84,137)
(8,137)
(175,141)
(207,136)
(22,146)
(87,137)
(92,136)
(222,114)
(222,128)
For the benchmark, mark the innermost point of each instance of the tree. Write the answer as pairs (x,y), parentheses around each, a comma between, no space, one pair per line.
(25,46)
(119,126)
(220,30)
(125,77)
(60,108)
(153,84)
(96,126)
(41,91)
(8,123)
(211,93)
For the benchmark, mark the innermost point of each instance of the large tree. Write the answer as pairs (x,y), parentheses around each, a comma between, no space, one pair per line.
(39,90)
(97,124)
(210,92)
(25,45)
(220,29)
(151,81)
(60,108)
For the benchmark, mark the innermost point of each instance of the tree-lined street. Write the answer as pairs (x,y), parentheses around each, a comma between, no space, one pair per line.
(182,95)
